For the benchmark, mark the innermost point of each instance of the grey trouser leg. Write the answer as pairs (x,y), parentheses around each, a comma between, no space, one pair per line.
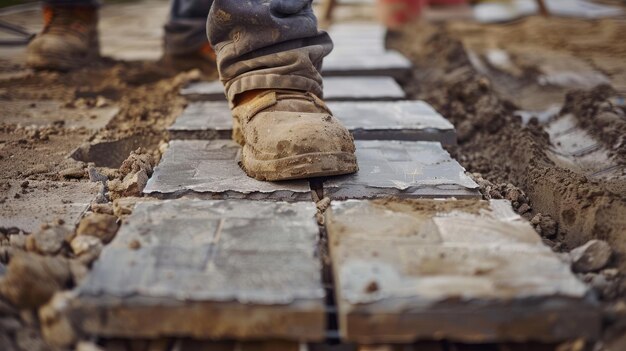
(185,30)
(263,44)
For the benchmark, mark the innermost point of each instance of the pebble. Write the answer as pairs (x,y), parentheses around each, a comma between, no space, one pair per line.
(51,240)
(101,225)
(87,248)
(72,173)
(591,257)
(31,279)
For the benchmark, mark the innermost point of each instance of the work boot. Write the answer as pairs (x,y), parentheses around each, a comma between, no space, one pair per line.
(289,134)
(203,59)
(69,38)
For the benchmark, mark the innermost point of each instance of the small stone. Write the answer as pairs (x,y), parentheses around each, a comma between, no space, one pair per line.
(50,241)
(102,208)
(55,326)
(548,226)
(87,248)
(132,185)
(24,184)
(31,280)
(100,225)
(535,220)
(323,204)
(512,195)
(101,102)
(591,257)
(18,241)
(73,173)
(523,208)
(134,245)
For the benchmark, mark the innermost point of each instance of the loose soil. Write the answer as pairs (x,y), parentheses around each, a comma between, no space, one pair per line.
(509,159)
(495,144)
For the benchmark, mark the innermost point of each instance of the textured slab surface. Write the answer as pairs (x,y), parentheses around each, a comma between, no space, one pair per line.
(399,120)
(404,169)
(351,63)
(209,169)
(217,269)
(335,88)
(44,202)
(450,269)
(46,113)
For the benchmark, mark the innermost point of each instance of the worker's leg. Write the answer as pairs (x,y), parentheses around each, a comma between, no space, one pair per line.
(267,44)
(185,31)
(69,38)
(269,53)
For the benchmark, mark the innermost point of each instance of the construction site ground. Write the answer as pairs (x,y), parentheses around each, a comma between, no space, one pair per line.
(539,125)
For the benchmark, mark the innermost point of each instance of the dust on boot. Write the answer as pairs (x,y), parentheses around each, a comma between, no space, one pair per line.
(68,40)
(288,134)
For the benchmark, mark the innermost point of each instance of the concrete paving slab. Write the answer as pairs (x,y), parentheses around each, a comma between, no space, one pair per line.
(402,169)
(401,120)
(461,270)
(49,112)
(335,89)
(27,208)
(228,269)
(203,121)
(350,63)
(210,169)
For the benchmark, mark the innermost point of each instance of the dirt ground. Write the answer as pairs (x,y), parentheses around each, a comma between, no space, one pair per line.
(509,157)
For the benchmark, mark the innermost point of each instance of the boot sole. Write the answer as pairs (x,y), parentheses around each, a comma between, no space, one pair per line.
(298,167)
(58,62)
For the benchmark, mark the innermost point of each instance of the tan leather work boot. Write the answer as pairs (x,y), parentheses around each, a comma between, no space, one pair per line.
(290,135)
(69,38)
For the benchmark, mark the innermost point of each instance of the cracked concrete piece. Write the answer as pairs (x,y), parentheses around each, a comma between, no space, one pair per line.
(44,202)
(335,88)
(367,120)
(461,270)
(208,269)
(210,169)
(351,63)
(403,169)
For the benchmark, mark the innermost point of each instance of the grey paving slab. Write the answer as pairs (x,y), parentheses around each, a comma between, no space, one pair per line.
(219,269)
(210,169)
(335,89)
(48,112)
(27,208)
(400,120)
(204,121)
(461,270)
(403,169)
(352,63)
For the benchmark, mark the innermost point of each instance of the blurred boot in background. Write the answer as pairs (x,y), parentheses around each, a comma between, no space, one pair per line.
(69,37)
(185,43)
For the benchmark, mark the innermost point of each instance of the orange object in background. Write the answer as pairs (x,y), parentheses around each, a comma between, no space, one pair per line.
(394,13)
